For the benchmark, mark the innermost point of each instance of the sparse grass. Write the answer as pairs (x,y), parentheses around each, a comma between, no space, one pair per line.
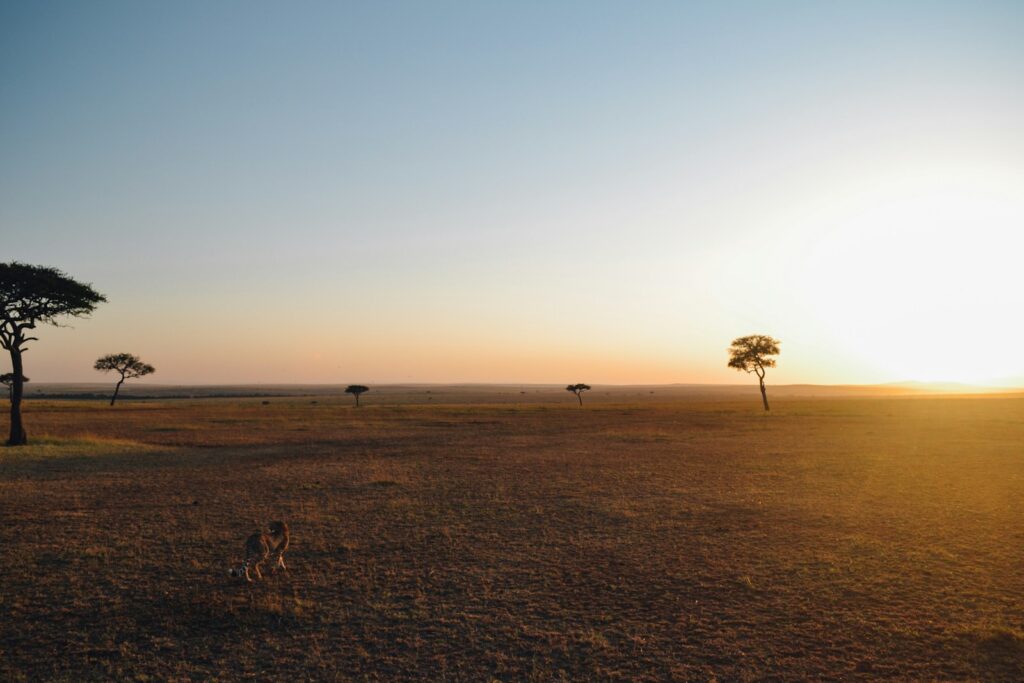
(82,445)
(859,538)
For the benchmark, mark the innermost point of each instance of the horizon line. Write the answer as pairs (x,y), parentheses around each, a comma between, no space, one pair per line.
(896,384)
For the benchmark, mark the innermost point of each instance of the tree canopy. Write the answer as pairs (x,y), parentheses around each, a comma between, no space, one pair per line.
(30,295)
(130,366)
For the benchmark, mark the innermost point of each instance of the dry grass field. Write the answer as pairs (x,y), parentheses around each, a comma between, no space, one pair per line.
(852,538)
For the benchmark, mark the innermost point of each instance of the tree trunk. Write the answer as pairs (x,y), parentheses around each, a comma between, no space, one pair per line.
(579,397)
(357,400)
(116,389)
(18,436)
(764,394)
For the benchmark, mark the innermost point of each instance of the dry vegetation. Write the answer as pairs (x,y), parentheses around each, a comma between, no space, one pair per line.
(873,538)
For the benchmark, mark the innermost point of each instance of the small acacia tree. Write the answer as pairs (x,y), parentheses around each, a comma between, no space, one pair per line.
(127,365)
(753,354)
(7,379)
(578,389)
(30,296)
(355,390)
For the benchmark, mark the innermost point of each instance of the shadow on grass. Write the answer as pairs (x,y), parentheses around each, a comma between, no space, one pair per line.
(93,453)
(114,637)
(45,456)
(1000,651)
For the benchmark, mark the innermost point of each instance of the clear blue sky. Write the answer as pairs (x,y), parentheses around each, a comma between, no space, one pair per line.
(602,192)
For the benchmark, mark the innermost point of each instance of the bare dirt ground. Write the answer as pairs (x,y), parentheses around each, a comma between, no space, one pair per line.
(691,540)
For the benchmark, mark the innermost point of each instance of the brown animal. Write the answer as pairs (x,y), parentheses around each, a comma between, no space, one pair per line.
(279,539)
(259,547)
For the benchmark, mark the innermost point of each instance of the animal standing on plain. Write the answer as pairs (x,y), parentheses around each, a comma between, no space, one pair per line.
(260,546)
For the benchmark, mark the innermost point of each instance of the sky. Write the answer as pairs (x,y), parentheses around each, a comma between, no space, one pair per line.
(528,192)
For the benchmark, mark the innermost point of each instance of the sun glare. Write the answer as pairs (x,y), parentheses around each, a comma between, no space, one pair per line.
(920,280)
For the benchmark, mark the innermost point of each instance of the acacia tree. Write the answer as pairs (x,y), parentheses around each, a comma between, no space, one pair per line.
(7,379)
(128,365)
(30,296)
(578,389)
(753,354)
(355,390)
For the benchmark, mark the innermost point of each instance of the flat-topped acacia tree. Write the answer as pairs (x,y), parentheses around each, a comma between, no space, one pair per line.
(578,389)
(128,365)
(355,390)
(753,354)
(31,296)
(7,379)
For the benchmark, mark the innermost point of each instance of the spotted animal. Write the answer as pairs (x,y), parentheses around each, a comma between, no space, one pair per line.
(259,547)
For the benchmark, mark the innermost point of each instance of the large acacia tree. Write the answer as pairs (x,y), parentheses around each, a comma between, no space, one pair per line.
(31,296)
(753,354)
(127,365)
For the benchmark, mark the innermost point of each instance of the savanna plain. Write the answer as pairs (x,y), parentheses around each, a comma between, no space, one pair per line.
(635,538)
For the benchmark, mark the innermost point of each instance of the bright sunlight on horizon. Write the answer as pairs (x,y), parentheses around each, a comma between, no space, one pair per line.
(531,193)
